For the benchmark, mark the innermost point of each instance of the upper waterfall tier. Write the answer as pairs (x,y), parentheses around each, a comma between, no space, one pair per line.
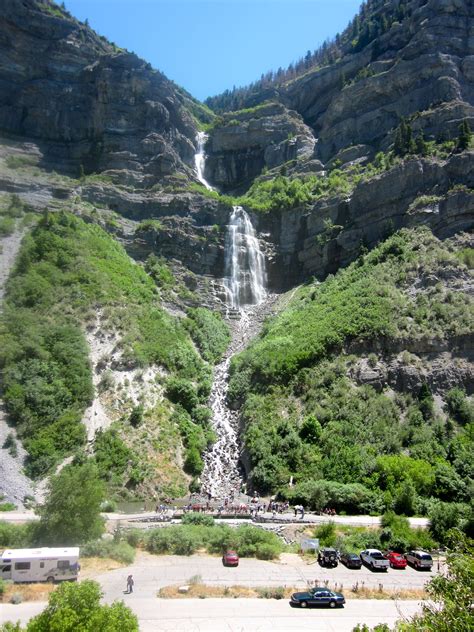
(200,160)
(245,280)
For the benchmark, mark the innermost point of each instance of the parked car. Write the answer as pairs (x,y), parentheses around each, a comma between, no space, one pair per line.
(396,560)
(420,560)
(374,559)
(327,557)
(318,597)
(351,560)
(230,558)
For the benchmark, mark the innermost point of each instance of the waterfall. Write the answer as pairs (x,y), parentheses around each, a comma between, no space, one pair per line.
(244,284)
(200,160)
(245,278)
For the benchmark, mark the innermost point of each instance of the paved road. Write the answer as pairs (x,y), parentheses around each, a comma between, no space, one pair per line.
(243,615)
(358,521)
(152,572)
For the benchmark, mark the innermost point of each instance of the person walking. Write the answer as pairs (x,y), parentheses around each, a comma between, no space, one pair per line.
(130,584)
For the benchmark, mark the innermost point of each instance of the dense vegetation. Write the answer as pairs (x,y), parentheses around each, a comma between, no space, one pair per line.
(66,271)
(353,447)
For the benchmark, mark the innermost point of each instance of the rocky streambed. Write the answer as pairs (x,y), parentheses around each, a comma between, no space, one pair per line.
(222,476)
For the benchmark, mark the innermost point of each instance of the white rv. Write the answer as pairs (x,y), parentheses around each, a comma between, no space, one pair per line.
(40,565)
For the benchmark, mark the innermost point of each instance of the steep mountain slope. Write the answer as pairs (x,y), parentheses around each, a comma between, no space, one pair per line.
(419,64)
(73,294)
(91,105)
(363,379)
(105,346)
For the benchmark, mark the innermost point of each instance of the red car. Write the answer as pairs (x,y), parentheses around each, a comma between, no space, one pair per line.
(230,558)
(397,560)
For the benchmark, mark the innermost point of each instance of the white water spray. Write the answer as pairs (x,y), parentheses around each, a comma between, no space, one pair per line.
(200,160)
(245,279)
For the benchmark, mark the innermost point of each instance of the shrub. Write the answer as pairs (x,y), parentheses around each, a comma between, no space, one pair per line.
(10,444)
(193,463)
(326,533)
(7,226)
(198,518)
(16,598)
(111,454)
(136,416)
(181,391)
(15,536)
(276,592)
(443,517)
(460,407)
(209,331)
(119,551)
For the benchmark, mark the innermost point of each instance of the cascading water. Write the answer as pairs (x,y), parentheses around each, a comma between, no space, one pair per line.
(200,160)
(244,283)
(244,262)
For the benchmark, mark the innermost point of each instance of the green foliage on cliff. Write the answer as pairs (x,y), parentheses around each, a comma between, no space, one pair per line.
(209,332)
(66,269)
(306,418)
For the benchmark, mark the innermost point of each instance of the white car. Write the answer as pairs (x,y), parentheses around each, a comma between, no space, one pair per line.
(374,559)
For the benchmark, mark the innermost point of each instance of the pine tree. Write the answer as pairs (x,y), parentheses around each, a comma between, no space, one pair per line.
(465,135)
(421,145)
(398,143)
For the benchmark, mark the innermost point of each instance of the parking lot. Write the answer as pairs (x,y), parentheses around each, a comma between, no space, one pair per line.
(152,572)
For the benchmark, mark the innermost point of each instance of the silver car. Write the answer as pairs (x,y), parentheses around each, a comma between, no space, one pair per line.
(420,560)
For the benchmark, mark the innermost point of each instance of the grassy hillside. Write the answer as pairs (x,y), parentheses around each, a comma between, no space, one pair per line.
(67,272)
(348,444)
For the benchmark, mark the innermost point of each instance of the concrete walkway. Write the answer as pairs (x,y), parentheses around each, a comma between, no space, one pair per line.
(280,519)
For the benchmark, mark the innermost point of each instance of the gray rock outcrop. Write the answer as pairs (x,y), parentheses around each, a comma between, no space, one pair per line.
(93,106)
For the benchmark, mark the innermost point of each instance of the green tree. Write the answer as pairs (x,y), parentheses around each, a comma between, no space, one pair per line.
(74,607)
(465,136)
(460,407)
(443,518)
(71,513)
(421,145)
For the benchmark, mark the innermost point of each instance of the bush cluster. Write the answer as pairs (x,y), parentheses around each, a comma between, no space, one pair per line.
(186,539)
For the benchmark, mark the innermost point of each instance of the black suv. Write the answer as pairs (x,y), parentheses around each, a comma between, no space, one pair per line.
(328,557)
(351,560)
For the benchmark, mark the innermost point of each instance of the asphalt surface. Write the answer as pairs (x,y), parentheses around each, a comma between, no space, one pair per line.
(152,572)
(243,615)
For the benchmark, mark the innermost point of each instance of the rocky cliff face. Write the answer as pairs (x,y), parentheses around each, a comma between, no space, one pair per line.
(88,102)
(319,240)
(243,144)
(422,68)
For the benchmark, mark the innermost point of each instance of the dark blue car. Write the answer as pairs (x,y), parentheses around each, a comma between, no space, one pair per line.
(318,597)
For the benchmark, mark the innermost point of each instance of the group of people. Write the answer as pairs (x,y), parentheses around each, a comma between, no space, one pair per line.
(328,512)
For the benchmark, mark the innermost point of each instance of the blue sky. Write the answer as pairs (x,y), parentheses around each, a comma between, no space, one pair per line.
(207,46)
